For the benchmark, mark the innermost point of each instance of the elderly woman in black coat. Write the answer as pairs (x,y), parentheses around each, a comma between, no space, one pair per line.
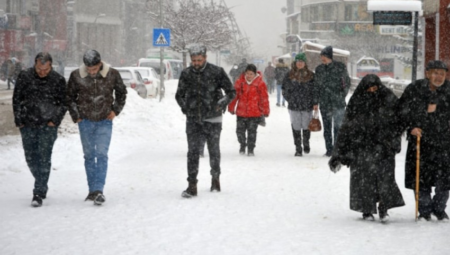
(367,142)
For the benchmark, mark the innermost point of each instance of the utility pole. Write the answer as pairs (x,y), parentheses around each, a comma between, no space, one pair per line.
(161,55)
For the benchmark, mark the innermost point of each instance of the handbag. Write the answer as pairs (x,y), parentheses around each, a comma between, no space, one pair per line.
(314,124)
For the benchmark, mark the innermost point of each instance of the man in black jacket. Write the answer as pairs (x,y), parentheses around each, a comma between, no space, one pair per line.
(201,99)
(38,104)
(424,110)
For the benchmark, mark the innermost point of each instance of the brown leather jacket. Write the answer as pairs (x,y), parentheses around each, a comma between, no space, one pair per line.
(92,97)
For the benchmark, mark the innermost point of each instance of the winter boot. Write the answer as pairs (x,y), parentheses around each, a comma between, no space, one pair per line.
(215,184)
(384,216)
(441,216)
(242,149)
(36,201)
(99,197)
(306,136)
(191,190)
(90,196)
(250,152)
(298,142)
(368,217)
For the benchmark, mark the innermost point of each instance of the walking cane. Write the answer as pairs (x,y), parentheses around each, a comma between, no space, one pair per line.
(417,174)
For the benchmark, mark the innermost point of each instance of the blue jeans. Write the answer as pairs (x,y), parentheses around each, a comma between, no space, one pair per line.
(331,118)
(38,146)
(95,138)
(279,94)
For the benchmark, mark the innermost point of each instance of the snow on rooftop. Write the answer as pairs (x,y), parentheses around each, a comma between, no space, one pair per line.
(380,5)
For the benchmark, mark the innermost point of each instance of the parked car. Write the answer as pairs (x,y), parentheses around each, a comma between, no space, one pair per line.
(155,64)
(177,67)
(151,80)
(133,79)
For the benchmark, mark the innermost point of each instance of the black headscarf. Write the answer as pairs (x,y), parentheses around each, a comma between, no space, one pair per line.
(364,102)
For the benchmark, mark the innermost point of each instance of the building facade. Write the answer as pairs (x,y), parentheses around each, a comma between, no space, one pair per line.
(437,41)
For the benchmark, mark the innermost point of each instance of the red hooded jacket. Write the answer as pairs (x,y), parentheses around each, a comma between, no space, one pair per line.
(252,99)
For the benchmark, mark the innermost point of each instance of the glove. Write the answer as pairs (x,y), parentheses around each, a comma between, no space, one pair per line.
(334,164)
(222,104)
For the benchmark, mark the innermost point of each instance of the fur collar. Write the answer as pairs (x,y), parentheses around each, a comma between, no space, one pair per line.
(103,72)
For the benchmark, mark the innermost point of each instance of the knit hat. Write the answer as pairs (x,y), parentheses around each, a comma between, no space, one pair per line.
(327,52)
(436,64)
(300,57)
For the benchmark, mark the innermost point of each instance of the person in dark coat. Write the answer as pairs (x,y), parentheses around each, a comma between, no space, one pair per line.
(200,97)
(38,104)
(424,110)
(331,87)
(298,87)
(96,94)
(281,69)
(367,142)
(269,76)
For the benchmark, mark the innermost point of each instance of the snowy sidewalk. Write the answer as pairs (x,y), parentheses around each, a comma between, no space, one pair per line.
(273,203)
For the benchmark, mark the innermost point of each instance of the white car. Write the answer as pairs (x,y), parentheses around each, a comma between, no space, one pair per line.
(151,80)
(133,79)
(155,64)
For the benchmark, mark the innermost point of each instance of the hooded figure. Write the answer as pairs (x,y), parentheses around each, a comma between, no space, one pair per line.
(367,142)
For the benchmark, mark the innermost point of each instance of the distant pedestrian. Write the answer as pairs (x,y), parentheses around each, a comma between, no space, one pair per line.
(331,84)
(367,142)
(424,109)
(200,97)
(251,105)
(38,103)
(241,68)
(96,95)
(269,75)
(298,88)
(281,71)
(234,73)
(8,71)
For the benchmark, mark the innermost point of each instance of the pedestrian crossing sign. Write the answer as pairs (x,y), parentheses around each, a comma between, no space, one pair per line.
(161,37)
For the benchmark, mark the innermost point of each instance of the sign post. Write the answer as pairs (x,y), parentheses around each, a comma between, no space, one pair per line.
(161,38)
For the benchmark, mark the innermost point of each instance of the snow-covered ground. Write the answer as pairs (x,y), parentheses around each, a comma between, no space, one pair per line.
(273,203)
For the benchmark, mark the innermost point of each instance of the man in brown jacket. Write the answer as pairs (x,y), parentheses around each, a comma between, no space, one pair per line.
(93,106)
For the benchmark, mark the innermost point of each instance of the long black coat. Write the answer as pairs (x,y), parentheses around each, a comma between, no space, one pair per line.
(435,141)
(367,143)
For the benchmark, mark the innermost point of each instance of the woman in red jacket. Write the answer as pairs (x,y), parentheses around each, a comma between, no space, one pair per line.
(251,106)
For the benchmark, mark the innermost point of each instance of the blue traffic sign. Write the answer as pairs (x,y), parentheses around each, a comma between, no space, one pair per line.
(161,37)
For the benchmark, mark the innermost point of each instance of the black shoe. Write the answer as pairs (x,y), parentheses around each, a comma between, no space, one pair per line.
(250,153)
(328,154)
(441,216)
(368,217)
(242,150)
(298,154)
(191,191)
(99,197)
(384,216)
(306,149)
(215,184)
(37,201)
(90,196)
(424,217)
(278,104)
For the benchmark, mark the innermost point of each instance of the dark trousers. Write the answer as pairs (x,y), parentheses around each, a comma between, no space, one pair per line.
(38,145)
(438,203)
(331,118)
(249,125)
(195,133)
